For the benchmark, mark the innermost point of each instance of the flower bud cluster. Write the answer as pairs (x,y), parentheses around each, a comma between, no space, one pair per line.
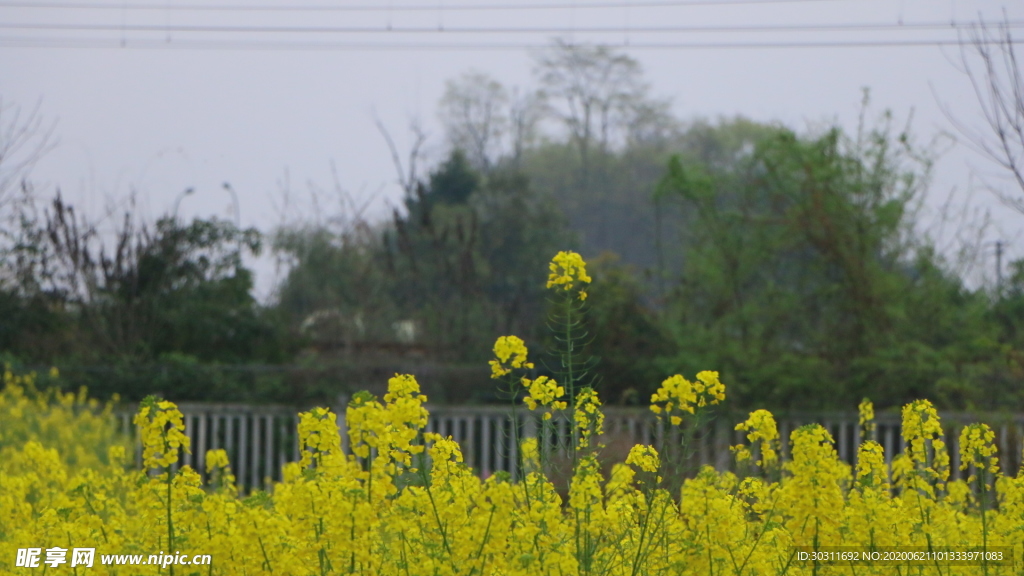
(978,449)
(568,271)
(588,416)
(761,430)
(677,394)
(162,433)
(510,353)
(544,391)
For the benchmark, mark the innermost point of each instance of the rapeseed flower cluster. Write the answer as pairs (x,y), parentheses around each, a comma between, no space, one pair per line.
(677,395)
(978,448)
(924,465)
(568,271)
(644,457)
(866,413)
(80,425)
(162,433)
(762,432)
(370,511)
(545,392)
(510,353)
(871,471)
(587,417)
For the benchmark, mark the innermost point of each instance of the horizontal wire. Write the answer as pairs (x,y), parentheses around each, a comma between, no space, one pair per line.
(325,46)
(380,7)
(865,27)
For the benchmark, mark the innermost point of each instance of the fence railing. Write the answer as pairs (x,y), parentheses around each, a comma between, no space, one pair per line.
(259,440)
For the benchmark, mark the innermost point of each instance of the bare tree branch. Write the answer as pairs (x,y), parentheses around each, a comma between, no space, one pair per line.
(24,139)
(989,60)
(475,116)
(407,180)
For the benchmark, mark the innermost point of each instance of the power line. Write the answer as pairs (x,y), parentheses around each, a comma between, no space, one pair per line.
(392,8)
(864,27)
(142,44)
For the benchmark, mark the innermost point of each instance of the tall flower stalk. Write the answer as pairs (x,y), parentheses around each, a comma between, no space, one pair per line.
(510,355)
(568,280)
(978,451)
(162,431)
(763,435)
(867,428)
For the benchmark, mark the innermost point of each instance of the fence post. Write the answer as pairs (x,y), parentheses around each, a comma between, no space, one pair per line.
(722,433)
(340,409)
(529,425)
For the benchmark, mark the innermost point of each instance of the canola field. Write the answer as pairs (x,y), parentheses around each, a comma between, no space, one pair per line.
(403,502)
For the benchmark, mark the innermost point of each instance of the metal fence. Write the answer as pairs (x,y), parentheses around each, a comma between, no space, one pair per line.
(259,440)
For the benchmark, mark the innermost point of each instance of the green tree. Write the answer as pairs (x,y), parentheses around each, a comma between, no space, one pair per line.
(172,288)
(625,334)
(601,98)
(801,271)
(169,295)
(465,260)
(474,112)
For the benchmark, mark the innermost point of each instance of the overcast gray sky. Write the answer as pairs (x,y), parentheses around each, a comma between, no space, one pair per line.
(160,96)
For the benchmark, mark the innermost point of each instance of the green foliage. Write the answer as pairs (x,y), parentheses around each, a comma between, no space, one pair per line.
(627,336)
(790,262)
(189,293)
(157,295)
(454,181)
(1008,311)
(332,292)
(615,211)
(460,265)
(30,323)
(801,269)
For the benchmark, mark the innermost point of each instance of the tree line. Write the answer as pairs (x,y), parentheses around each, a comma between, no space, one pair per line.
(794,263)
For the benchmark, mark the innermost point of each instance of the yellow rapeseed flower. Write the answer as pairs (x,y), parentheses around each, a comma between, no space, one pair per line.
(925,448)
(544,391)
(567,271)
(678,393)
(510,353)
(978,449)
(871,469)
(588,416)
(216,459)
(67,481)
(644,457)
(162,431)
(380,518)
(760,428)
(866,411)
